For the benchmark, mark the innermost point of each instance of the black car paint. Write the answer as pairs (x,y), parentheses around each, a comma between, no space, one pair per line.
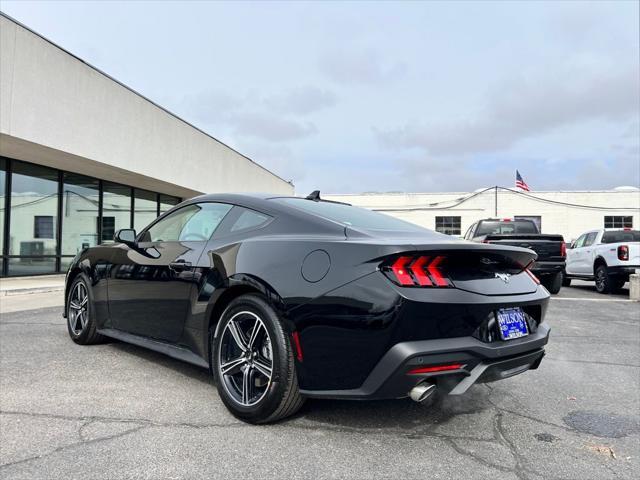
(348,313)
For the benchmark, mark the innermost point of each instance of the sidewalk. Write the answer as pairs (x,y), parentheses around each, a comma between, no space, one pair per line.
(25,285)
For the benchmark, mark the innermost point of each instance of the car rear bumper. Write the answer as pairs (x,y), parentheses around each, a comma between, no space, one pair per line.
(547,268)
(623,269)
(481,362)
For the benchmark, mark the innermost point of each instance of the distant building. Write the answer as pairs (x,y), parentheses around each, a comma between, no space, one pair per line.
(82,155)
(564,212)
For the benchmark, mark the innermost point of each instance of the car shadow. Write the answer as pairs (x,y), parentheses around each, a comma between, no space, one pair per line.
(404,414)
(192,371)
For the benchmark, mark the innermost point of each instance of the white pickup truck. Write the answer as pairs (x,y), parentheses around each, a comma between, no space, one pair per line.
(607,256)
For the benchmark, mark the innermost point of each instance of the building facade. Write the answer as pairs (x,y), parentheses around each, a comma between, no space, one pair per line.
(82,155)
(566,213)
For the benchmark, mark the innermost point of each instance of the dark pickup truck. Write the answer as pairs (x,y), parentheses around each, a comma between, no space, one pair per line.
(551,249)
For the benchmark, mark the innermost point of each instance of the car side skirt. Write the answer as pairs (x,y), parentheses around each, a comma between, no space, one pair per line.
(168,349)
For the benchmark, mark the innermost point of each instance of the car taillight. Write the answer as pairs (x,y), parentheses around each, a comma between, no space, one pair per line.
(623,252)
(533,277)
(563,249)
(418,271)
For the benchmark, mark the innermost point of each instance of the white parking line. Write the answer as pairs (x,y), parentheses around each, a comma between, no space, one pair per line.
(594,299)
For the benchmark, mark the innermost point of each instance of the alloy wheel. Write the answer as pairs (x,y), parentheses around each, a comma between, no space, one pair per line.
(78,308)
(600,280)
(245,362)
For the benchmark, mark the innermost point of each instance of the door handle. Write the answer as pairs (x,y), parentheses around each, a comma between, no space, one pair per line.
(179,266)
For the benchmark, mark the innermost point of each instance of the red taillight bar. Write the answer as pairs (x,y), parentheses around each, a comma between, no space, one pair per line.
(563,249)
(436,368)
(422,271)
(401,271)
(296,343)
(435,273)
(533,277)
(418,271)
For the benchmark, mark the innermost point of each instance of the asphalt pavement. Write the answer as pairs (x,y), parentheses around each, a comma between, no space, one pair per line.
(118,411)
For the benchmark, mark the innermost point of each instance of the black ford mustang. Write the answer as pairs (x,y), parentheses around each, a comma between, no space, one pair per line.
(284,298)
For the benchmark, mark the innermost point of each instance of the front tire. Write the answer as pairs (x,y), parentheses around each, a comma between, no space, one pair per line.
(553,283)
(81,322)
(253,362)
(566,282)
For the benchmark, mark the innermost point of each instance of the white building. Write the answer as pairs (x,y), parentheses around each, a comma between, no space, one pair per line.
(566,213)
(82,155)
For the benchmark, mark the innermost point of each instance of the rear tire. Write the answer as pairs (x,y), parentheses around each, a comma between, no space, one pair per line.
(81,321)
(553,283)
(603,280)
(255,373)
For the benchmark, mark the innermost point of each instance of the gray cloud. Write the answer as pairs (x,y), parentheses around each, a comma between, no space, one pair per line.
(359,67)
(301,100)
(520,109)
(270,127)
(278,158)
(272,118)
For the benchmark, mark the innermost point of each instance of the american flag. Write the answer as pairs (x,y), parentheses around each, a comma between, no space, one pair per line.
(520,183)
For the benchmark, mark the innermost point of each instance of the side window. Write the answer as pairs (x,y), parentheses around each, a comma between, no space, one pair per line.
(467,235)
(192,223)
(579,243)
(249,219)
(590,239)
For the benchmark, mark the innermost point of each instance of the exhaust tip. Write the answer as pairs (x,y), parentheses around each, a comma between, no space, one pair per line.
(422,391)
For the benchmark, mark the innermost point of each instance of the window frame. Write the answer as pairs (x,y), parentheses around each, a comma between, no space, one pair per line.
(452,223)
(142,236)
(224,229)
(37,227)
(622,222)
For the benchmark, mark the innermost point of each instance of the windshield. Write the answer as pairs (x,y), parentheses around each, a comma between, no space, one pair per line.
(351,216)
(492,227)
(621,236)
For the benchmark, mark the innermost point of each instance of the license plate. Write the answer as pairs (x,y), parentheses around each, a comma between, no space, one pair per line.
(512,323)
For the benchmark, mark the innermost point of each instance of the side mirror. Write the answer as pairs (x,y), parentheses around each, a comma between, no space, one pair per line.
(125,235)
(572,245)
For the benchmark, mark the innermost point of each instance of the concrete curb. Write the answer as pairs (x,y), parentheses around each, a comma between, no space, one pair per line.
(26,291)
(634,287)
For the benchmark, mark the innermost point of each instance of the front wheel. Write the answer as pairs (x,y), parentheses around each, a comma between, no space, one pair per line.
(253,362)
(81,322)
(566,282)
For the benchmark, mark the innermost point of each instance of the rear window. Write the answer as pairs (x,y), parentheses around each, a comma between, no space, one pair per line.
(621,236)
(498,228)
(351,216)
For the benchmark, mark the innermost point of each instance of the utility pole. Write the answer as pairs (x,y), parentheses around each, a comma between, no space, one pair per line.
(496,201)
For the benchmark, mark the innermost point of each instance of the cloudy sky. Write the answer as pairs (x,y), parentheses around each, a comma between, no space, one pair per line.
(354,97)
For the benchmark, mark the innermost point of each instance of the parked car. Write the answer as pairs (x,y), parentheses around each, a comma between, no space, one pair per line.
(285,298)
(607,256)
(551,249)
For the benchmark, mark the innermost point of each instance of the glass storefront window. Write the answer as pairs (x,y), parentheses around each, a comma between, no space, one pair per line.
(80,202)
(31,266)
(54,215)
(145,208)
(3,180)
(34,213)
(167,202)
(116,209)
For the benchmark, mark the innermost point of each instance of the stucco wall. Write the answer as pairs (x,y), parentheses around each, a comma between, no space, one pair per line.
(570,221)
(61,112)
